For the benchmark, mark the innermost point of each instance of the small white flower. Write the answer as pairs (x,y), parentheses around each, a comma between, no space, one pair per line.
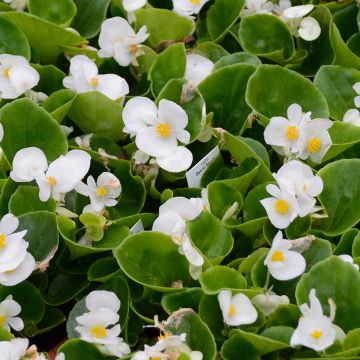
(197,68)
(309,29)
(13,349)
(27,163)
(37,97)
(20,273)
(130,6)
(278,9)
(18,5)
(63,174)
(9,308)
(237,310)
(356,88)
(303,183)
(315,330)
(284,264)
(84,142)
(140,157)
(119,348)
(67,130)
(257,7)
(60,356)
(188,7)
(16,76)
(283,207)
(103,192)
(84,77)
(349,259)
(269,302)
(117,39)
(352,116)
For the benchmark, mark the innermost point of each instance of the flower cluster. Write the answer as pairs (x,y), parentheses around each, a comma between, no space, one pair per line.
(353,115)
(94,326)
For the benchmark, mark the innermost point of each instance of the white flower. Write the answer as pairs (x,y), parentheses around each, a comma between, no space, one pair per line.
(257,7)
(283,133)
(314,140)
(99,299)
(269,301)
(18,5)
(356,87)
(102,193)
(278,9)
(140,157)
(188,7)
(283,207)
(117,39)
(27,163)
(197,68)
(84,77)
(237,310)
(13,349)
(352,116)
(67,130)
(9,308)
(130,6)
(349,259)
(119,348)
(284,264)
(315,330)
(60,356)
(20,273)
(63,174)
(16,76)
(84,142)
(305,185)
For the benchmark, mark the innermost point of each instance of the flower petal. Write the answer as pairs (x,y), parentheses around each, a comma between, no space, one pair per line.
(180,160)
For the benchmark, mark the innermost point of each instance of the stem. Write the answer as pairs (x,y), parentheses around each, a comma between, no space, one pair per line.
(267,280)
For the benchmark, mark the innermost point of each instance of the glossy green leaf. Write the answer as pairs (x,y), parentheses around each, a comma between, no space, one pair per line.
(284,315)
(183,298)
(136,256)
(334,278)
(75,350)
(51,319)
(340,195)
(236,58)
(103,269)
(59,103)
(26,124)
(51,79)
(163,25)
(230,349)
(224,94)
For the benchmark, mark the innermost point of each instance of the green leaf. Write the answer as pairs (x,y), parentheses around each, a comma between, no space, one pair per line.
(284,315)
(212,51)
(103,269)
(237,58)
(221,277)
(52,318)
(46,39)
(230,349)
(163,25)
(183,298)
(60,12)
(340,195)
(336,82)
(26,199)
(267,36)
(224,94)
(75,349)
(89,17)
(51,79)
(218,24)
(333,278)
(25,125)
(168,65)
(210,236)
(94,112)
(12,39)
(136,256)
(272,89)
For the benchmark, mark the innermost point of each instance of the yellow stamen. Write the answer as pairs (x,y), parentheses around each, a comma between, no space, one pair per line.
(305,187)
(101,191)
(281,206)
(133,49)
(51,180)
(2,320)
(317,334)
(2,241)
(314,145)
(164,335)
(163,129)
(292,132)
(155,358)
(278,256)
(94,82)
(232,310)
(119,100)
(98,331)
(196,2)
(6,72)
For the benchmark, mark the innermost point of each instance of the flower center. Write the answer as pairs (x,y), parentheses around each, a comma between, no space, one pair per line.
(98,331)
(196,2)
(314,145)
(113,184)
(317,334)
(2,241)
(231,310)
(164,335)
(94,82)
(163,129)
(2,320)
(6,72)
(292,132)
(133,49)
(278,256)
(51,180)
(281,206)
(101,191)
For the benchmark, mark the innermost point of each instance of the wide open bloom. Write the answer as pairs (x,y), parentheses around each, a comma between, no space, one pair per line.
(315,330)
(188,7)
(284,264)
(84,77)
(117,39)
(257,7)
(16,76)
(303,183)
(197,68)
(237,310)
(9,308)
